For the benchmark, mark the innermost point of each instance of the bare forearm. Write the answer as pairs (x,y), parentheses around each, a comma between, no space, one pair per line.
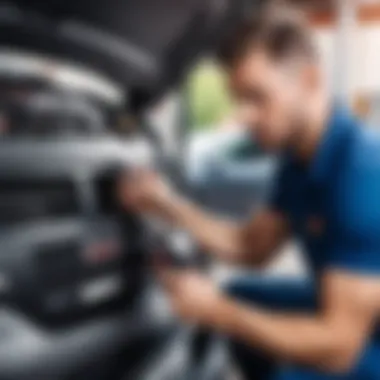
(222,237)
(303,339)
(252,244)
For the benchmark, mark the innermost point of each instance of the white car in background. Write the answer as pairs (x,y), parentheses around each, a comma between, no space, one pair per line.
(230,173)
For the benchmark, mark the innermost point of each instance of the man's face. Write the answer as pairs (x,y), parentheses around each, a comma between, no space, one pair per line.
(271,98)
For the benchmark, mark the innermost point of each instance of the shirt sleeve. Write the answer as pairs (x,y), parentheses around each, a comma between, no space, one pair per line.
(355,230)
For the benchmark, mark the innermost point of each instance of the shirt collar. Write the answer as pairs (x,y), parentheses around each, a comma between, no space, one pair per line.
(340,124)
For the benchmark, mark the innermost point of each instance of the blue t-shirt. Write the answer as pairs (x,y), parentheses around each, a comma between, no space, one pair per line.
(333,203)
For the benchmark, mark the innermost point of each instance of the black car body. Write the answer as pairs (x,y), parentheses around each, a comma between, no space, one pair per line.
(76,301)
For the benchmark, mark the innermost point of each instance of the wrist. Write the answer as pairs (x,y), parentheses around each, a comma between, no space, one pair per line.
(224,314)
(172,204)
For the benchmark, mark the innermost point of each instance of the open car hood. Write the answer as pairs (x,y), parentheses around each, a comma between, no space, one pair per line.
(143,46)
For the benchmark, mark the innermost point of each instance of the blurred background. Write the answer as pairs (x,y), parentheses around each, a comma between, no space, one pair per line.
(89,89)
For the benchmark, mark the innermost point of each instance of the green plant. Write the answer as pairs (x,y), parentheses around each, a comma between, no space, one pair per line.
(209,103)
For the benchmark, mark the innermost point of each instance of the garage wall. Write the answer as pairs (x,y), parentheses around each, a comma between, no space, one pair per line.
(367,71)
(363,79)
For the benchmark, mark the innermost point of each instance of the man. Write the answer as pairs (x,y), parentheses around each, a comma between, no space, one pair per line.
(328,196)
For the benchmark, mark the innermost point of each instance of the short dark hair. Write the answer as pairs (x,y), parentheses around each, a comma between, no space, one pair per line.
(280,31)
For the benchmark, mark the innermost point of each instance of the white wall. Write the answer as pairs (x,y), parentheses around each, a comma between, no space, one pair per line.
(364,65)
(325,41)
(368,59)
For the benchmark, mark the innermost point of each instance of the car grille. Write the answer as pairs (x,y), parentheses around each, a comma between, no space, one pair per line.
(24,201)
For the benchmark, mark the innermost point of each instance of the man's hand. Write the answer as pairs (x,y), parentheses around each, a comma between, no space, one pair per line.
(194,298)
(144,191)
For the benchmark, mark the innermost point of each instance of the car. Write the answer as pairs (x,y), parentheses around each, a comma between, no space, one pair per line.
(229,172)
(77,300)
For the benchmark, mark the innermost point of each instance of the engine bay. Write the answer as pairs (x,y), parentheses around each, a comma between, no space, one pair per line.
(75,279)
(73,275)
(76,297)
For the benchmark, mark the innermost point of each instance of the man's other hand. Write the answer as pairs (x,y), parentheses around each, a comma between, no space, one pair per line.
(144,190)
(194,298)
